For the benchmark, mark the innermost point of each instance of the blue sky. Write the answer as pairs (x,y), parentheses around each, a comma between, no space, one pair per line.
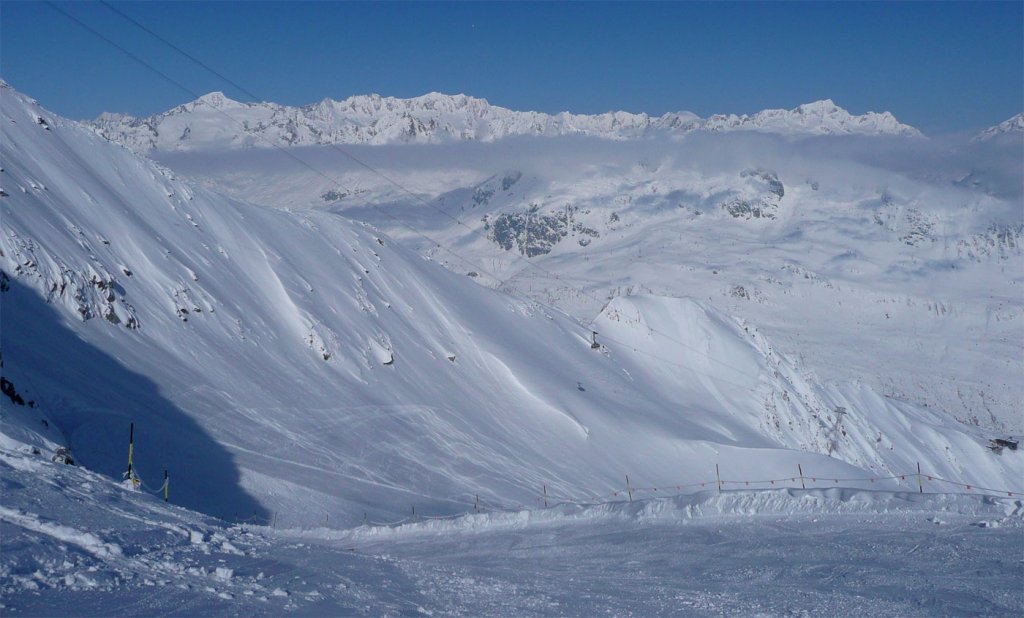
(942,67)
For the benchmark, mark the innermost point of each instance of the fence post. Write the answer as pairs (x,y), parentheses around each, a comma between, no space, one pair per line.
(802,485)
(545,496)
(920,485)
(719,478)
(629,490)
(274,523)
(476,504)
(414,512)
(167,484)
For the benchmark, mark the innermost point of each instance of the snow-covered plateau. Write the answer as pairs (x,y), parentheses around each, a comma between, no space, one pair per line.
(787,327)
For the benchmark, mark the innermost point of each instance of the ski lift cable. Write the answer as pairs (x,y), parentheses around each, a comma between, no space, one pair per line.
(341,185)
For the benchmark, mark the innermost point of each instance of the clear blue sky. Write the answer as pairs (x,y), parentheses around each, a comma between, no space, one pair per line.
(942,67)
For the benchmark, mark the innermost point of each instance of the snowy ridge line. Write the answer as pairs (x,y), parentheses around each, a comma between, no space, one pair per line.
(554,500)
(438,117)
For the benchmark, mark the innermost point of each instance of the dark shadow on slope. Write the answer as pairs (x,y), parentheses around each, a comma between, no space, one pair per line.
(92,397)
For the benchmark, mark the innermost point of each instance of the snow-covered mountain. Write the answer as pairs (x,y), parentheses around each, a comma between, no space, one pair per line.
(1010,126)
(294,368)
(216,122)
(300,363)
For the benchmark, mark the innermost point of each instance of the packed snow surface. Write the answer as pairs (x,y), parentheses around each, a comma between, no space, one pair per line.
(814,552)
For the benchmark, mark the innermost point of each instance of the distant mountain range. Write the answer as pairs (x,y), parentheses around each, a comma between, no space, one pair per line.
(215,121)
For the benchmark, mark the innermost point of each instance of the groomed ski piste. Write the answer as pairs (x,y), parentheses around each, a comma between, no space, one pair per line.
(300,374)
(78,543)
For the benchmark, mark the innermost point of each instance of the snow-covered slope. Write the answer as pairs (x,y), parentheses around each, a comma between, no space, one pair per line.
(303,364)
(215,121)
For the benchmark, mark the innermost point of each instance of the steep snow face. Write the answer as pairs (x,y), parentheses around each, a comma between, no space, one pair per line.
(1011,127)
(215,121)
(302,364)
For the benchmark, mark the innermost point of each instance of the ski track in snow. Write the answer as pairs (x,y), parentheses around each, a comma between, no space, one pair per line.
(815,552)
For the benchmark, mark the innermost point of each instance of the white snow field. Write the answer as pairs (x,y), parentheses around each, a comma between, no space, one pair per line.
(292,367)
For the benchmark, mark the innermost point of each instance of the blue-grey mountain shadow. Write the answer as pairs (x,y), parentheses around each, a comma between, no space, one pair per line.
(92,397)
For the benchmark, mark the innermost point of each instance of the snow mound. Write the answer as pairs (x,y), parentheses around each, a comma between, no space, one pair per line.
(706,505)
